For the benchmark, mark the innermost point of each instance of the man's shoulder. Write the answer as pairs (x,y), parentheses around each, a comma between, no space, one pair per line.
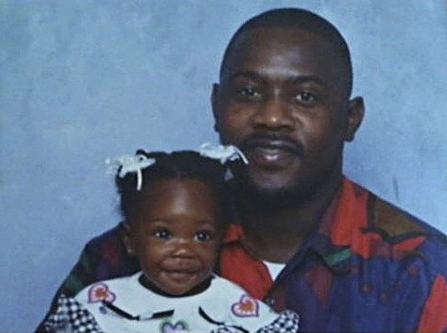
(395,223)
(377,224)
(422,249)
(405,232)
(113,235)
(109,245)
(388,219)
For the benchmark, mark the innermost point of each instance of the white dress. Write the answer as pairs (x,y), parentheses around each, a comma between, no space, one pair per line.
(124,305)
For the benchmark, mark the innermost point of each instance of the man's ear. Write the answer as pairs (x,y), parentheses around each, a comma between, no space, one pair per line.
(127,238)
(356,111)
(215,105)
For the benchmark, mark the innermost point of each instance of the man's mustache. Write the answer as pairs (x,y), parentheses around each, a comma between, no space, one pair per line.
(272,141)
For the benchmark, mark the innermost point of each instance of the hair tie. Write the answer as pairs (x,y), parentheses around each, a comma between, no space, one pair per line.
(222,153)
(130,164)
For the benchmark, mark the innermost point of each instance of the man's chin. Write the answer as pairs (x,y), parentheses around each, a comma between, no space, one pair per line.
(268,189)
(271,197)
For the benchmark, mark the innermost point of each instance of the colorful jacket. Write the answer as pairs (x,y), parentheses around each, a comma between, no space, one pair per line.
(369,267)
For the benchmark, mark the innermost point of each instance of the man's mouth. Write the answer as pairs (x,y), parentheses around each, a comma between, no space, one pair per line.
(268,152)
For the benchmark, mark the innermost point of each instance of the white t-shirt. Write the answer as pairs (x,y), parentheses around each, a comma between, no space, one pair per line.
(274,268)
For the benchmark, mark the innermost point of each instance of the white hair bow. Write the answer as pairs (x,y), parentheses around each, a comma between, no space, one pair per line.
(130,164)
(222,153)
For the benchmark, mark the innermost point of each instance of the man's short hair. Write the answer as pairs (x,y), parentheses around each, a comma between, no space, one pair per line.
(301,19)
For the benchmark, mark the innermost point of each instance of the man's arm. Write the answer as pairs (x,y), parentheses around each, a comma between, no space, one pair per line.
(434,314)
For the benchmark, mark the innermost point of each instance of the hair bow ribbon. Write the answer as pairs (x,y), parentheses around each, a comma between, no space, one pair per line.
(222,153)
(131,164)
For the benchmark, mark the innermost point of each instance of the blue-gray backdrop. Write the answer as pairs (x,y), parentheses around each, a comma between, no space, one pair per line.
(84,80)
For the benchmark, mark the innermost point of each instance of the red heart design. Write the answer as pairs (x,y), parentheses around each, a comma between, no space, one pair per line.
(246,307)
(100,292)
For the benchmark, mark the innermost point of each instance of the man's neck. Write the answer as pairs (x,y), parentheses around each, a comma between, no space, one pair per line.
(276,234)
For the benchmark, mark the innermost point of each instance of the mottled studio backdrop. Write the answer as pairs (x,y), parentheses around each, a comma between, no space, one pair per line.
(84,80)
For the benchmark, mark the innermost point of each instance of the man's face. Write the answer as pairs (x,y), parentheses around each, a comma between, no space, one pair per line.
(175,232)
(283,101)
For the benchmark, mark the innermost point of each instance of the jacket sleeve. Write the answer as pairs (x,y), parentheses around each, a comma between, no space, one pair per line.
(434,314)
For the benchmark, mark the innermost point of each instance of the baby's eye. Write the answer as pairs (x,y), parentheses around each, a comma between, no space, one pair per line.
(305,97)
(203,236)
(163,234)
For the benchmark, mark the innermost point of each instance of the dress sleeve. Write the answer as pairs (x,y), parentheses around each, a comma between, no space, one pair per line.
(74,282)
(70,316)
(287,321)
(104,257)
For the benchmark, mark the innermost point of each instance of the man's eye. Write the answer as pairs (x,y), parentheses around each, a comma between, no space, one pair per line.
(305,97)
(162,234)
(248,93)
(203,236)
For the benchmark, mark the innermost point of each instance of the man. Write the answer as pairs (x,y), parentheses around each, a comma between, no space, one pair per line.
(346,260)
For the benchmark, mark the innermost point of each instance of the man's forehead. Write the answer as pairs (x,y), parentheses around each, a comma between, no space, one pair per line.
(278,47)
(286,37)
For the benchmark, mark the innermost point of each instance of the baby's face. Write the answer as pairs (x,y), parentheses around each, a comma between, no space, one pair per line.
(176,233)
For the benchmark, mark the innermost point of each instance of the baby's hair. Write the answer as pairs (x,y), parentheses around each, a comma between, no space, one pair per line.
(185,164)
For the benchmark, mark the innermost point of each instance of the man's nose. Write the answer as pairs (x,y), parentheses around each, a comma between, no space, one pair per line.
(274,113)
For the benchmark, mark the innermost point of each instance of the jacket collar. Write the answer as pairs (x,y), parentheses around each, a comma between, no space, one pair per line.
(353,221)
(332,238)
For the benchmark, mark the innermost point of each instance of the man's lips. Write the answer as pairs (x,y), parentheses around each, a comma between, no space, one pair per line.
(273,143)
(268,151)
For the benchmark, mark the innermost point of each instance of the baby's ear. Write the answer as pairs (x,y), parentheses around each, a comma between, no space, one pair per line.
(127,238)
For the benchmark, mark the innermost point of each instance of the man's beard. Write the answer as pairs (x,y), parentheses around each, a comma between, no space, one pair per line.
(292,195)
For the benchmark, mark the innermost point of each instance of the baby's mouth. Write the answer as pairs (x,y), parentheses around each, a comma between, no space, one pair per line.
(179,274)
(182,269)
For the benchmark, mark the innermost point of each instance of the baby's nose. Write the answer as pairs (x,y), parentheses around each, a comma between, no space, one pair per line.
(184,249)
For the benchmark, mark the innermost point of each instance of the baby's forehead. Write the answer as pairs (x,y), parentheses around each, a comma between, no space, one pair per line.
(179,185)
(178,196)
